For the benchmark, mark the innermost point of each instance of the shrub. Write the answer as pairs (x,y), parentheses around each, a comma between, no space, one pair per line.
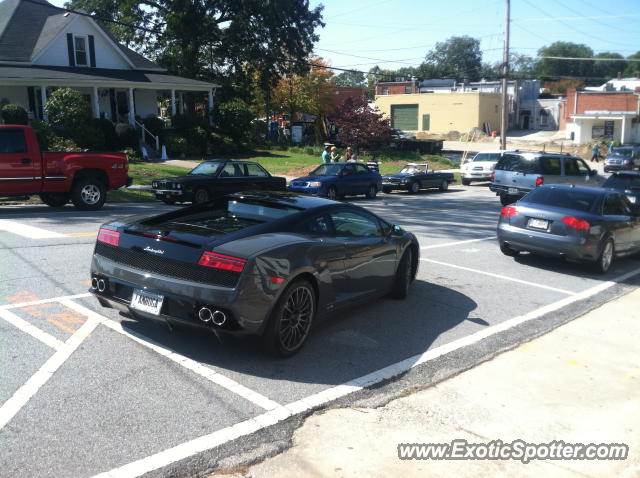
(234,119)
(68,110)
(127,136)
(14,114)
(176,145)
(154,124)
(108,131)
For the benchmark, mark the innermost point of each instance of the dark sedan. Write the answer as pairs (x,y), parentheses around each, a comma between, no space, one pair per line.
(627,182)
(335,180)
(214,178)
(578,223)
(252,263)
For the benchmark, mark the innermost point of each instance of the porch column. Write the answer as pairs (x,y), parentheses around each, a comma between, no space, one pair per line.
(173,102)
(95,105)
(132,114)
(182,102)
(43,101)
(623,133)
(210,107)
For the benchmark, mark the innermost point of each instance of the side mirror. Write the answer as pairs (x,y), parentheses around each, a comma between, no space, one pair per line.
(396,231)
(593,172)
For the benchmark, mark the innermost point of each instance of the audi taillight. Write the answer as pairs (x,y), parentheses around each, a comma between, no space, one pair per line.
(109,237)
(577,224)
(539,181)
(508,211)
(221,261)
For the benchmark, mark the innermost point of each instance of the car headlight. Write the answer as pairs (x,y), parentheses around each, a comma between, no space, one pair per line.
(315,184)
(154,185)
(627,161)
(177,186)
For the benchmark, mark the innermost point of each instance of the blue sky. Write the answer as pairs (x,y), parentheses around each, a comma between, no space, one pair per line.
(397,33)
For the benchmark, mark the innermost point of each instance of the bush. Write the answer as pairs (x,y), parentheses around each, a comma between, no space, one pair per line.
(176,145)
(234,119)
(68,110)
(14,114)
(154,124)
(108,131)
(127,136)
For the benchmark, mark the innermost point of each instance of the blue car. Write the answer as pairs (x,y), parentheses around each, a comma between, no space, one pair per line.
(335,180)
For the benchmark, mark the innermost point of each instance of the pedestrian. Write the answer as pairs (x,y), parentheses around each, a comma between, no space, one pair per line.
(335,157)
(595,153)
(326,154)
(611,147)
(350,156)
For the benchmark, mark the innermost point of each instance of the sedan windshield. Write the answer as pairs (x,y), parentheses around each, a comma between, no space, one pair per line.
(327,170)
(579,200)
(208,167)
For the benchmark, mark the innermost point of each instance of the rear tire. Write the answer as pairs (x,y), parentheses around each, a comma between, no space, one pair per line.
(88,194)
(371,192)
(466,182)
(201,195)
(605,259)
(507,251)
(54,199)
(444,185)
(291,320)
(404,277)
(415,187)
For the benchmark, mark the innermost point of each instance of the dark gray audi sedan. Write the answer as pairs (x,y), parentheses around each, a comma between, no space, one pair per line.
(261,263)
(579,223)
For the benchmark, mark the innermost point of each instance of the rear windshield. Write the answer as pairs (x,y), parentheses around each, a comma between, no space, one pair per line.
(579,200)
(518,163)
(487,157)
(622,182)
(258,211)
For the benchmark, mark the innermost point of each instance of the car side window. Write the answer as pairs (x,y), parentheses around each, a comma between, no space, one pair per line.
(254,170)
(349,170)
(575,167)
(550,166)
(361,169)
(316,226)
(12,141)
(614,205)
(231,170)
(355,224)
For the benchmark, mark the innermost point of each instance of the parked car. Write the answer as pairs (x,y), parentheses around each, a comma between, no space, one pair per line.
(414,177)
(517,173)
(627,182)
(335,180)
(480,167)
(399,134)
(260,263)
(579,223)
(216,177)
(623,158)
(57,177)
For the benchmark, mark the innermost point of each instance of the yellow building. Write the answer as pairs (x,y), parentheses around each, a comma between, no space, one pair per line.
(441,112)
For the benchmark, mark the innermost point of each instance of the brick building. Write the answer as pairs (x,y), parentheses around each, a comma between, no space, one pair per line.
(611,115)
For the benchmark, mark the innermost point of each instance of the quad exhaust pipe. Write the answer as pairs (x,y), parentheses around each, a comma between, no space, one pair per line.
(217,317)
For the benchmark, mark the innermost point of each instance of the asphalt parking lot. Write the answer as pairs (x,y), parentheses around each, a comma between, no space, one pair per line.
(86,391)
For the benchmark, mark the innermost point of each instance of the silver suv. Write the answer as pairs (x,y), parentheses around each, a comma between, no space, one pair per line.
(480,167)
(517,173)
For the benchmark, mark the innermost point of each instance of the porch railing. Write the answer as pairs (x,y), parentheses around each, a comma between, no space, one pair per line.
(144,132)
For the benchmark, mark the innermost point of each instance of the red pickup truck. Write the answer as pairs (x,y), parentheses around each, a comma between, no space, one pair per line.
(57,177)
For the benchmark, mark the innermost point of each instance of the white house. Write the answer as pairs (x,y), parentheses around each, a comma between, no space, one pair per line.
(43,47)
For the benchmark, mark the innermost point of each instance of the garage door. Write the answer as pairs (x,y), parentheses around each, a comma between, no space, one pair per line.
(404,117)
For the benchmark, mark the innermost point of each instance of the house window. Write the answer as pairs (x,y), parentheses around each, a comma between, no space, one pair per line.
(80,48)
(385,91)
(544,118)
(408,90)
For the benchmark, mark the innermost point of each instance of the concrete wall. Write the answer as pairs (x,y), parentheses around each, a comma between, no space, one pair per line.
(450,112)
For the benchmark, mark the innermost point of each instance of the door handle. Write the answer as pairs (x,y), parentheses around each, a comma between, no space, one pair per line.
(25,160)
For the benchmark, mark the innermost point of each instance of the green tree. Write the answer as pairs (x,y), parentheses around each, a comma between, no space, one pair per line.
(550,67)
(350,78)
(459,57)
(609,69)
(67,109)
(521,66)
(633,67)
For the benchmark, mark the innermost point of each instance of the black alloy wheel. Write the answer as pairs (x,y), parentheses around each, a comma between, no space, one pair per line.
(404,276)
(290,322)
(54,199)
(605,259)
(200,196)
(371,192)
(415,187)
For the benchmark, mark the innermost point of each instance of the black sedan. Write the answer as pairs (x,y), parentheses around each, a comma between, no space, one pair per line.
(578,223)
(253,263)
(215,178)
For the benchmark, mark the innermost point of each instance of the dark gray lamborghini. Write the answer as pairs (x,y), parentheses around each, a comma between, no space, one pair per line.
(259,263)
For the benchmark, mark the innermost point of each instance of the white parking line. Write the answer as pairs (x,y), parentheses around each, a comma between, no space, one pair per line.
(44,301)
(20,398)
(220,437)
(499,276)
(32,330)
(196,367)
(448,244)
(27,231)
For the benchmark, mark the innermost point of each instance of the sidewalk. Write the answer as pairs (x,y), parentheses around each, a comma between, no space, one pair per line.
(580,384)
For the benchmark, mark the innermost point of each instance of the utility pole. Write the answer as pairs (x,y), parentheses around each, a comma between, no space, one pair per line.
(504,122)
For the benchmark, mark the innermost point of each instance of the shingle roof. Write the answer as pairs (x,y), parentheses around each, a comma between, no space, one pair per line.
(26,27)
(77,76)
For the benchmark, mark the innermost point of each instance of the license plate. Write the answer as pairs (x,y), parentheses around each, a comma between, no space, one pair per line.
(512,190)
(147,301)
(538,224)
